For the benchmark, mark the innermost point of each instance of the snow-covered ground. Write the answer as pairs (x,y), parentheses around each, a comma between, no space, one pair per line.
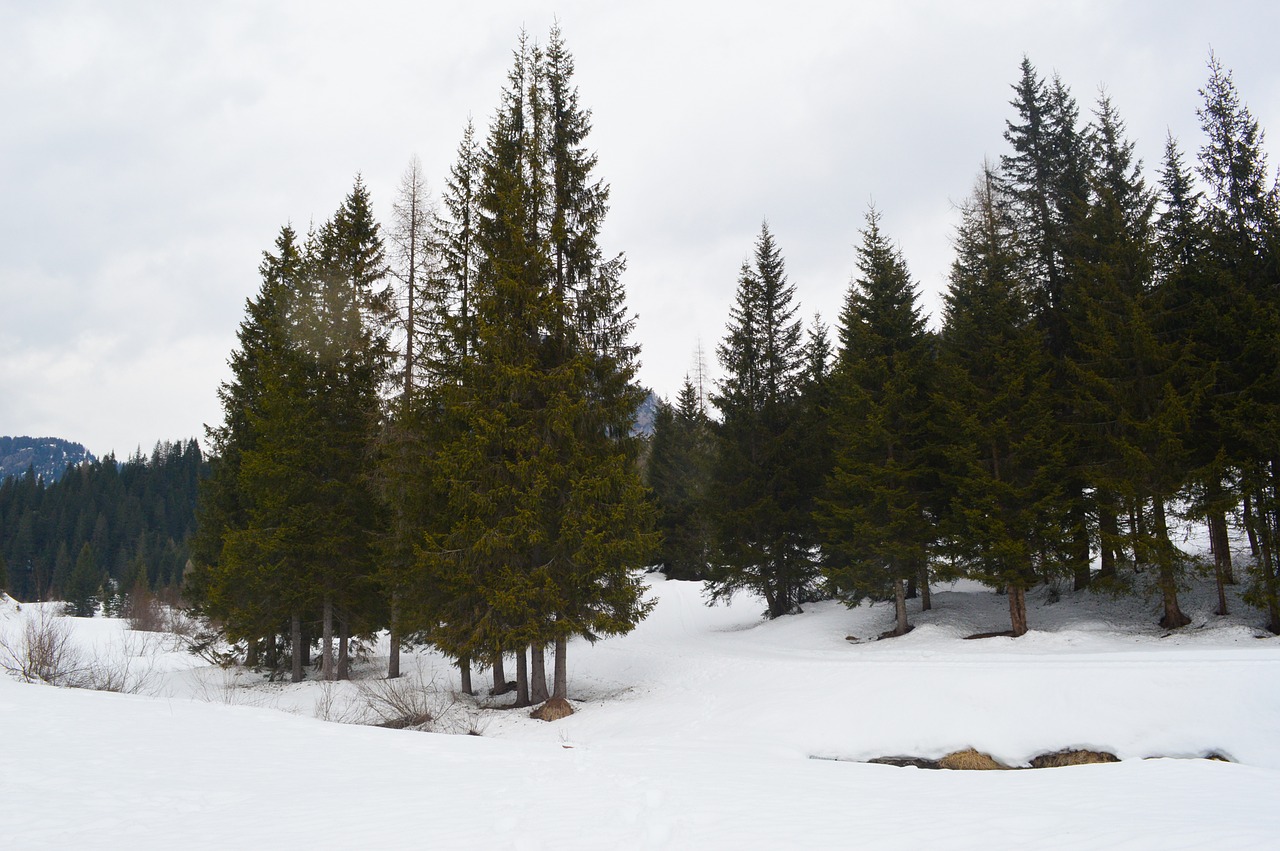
(705,728)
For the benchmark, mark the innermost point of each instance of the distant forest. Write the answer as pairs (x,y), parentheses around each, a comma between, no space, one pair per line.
(103,528)
(47,457)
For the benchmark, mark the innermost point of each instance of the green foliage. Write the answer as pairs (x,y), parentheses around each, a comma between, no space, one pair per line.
(874,518)
(1004,454)
(289,515)
(83,591)
(761,505)
(139,512)
(678,474)
(536,516)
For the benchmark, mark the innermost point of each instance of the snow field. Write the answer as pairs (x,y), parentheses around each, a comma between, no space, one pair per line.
(695,731)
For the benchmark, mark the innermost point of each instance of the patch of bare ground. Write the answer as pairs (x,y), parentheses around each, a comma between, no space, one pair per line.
(553,710)
(973,760)
(1059,759)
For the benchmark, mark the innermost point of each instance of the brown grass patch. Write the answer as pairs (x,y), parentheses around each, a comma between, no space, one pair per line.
(970,760)
(553,710)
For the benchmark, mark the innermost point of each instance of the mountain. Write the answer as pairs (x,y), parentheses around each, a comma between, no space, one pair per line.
(49,456)
(643,425)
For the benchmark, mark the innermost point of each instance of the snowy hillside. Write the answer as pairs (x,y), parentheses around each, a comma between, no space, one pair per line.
(705,728)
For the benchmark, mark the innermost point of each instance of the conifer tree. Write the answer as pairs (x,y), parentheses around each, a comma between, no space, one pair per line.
(1134,387)
(678,475)
(546,514)
(876,532)
(1046,178)
(1240,319)
(760,515)
(84,584)
(1004,461)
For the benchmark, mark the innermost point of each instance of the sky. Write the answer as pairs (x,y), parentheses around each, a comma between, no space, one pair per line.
(150,152)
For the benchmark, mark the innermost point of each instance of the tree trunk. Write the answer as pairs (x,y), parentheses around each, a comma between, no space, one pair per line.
(1250,529)
(1018,609)
(344,649)
(900,606)
(1267,563)
(538,673)
(499,676)
(1220,535)
(464,668)
(912,593)
(522,678)
(1173,616)
(252,653)
(1081,555)
(560,687)
(295,637)
(926,597)
(1219,546)
(393,640)
(1108,534)
(326,641)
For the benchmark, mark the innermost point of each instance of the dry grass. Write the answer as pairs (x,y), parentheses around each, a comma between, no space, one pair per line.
(970,760)
(553,710)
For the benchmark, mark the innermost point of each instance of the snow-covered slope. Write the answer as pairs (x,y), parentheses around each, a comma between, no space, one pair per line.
(696,731)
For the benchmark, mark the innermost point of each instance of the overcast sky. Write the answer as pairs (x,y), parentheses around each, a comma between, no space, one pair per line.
(149,152)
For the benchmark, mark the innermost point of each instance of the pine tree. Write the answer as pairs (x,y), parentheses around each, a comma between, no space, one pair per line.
(876,533)
(1046,179)
(1134,387)
(678,475)
(1240,318)
(760,516)
(545,513)
(84,584)
(1005,460)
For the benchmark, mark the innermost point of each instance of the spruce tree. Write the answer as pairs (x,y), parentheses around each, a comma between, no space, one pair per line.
(678,474)
(760,515)
(876,532)
(1004,458)
(1132,376)
(1046,178)
(1240,320)
(546,516)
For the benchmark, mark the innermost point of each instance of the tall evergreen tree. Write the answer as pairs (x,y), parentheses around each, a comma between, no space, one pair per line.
(874,515)
(1131,375)
(1004,455)
(759,511)
(546,514)
(1046,178)
(1243,275)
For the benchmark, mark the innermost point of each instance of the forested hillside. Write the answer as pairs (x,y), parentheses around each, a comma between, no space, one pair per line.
(103,528)
(47,457)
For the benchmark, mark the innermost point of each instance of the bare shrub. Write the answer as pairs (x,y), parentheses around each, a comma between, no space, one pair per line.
(129,666)
(44,653)
(400,703)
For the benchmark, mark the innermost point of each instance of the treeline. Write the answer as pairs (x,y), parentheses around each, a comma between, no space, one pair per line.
(103,529)
(1109,353)
(431,433)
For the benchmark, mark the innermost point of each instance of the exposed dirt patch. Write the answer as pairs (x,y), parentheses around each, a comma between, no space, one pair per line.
(1058,759)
